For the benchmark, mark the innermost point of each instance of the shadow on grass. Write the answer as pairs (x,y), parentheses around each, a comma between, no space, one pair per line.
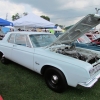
(20,83)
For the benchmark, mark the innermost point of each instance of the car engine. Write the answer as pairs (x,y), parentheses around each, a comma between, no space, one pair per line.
(78,53)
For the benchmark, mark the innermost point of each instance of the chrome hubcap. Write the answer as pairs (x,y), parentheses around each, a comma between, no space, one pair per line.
(54,79)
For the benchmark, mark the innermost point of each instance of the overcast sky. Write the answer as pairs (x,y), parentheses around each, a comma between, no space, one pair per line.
(63,12)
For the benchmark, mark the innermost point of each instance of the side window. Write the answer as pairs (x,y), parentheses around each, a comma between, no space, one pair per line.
(11,38)
(20,39)
(28,43)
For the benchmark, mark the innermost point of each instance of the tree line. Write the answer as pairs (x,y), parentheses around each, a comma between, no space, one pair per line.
(17,16)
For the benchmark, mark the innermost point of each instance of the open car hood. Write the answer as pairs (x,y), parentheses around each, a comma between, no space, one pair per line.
(77,30)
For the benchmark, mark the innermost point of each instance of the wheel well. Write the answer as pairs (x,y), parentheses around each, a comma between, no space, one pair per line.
(1,54)
(44,69)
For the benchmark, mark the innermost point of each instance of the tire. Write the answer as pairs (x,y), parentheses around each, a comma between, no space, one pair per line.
(55,80)
(1,55)
(4,60)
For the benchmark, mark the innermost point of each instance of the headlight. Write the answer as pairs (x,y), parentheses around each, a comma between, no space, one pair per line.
(92,71)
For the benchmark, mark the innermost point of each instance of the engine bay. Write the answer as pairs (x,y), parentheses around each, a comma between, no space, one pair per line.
(78,53)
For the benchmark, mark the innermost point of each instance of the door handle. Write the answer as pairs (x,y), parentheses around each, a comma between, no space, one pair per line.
(14,45)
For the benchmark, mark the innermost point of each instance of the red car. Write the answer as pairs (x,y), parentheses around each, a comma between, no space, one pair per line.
(96,41)
(91,36)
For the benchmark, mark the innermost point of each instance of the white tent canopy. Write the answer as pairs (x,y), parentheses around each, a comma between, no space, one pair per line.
(32,20)
(57,29)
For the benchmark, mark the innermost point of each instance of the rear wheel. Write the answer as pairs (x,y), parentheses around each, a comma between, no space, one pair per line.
(4,60)
(55,80)
(1,55)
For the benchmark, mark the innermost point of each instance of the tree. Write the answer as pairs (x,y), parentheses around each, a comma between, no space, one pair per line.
(25,13)
(15,17)
(45,17)
(56,25)
(66,28)
(61,26)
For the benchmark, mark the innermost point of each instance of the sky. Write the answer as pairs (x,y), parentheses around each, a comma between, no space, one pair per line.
(62,12)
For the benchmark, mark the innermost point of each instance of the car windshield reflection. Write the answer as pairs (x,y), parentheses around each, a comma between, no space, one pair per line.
(41,40)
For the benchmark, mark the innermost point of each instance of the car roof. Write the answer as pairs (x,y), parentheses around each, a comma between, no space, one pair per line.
(28,32)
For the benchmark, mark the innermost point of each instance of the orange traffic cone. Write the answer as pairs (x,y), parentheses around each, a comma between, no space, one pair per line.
(1,97)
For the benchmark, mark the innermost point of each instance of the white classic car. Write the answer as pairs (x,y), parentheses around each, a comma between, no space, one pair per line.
(60,62)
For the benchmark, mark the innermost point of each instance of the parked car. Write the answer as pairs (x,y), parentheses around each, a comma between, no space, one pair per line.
(1,35)
(91,36)
(57,34)
(88,46)
(85,42)
(96,41)
(61,65)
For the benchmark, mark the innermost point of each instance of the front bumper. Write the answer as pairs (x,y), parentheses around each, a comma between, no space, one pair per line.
(91,82)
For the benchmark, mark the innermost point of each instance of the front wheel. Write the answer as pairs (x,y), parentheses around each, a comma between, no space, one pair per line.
(55,80)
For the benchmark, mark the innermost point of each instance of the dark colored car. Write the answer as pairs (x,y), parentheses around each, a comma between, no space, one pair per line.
(1,35)
(88,46)
(85,42)
(58,33)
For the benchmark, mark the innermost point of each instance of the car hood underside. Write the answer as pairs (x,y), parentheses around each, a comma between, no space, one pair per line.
(80,28)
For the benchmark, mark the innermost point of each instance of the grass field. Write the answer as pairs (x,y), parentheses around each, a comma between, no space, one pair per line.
(19,83)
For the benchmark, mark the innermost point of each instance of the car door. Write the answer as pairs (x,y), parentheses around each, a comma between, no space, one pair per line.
(8,45)
(22,51)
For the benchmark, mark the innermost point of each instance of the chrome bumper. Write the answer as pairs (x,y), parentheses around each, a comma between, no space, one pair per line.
(91,82)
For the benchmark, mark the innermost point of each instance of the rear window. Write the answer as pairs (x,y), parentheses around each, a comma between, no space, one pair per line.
(11,38)
(20,39)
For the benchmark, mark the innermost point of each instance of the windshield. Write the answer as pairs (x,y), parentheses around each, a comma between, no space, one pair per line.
(41,40)
(84,39)
(97,35)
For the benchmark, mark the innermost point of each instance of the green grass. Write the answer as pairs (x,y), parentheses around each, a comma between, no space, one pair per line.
(19,83)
